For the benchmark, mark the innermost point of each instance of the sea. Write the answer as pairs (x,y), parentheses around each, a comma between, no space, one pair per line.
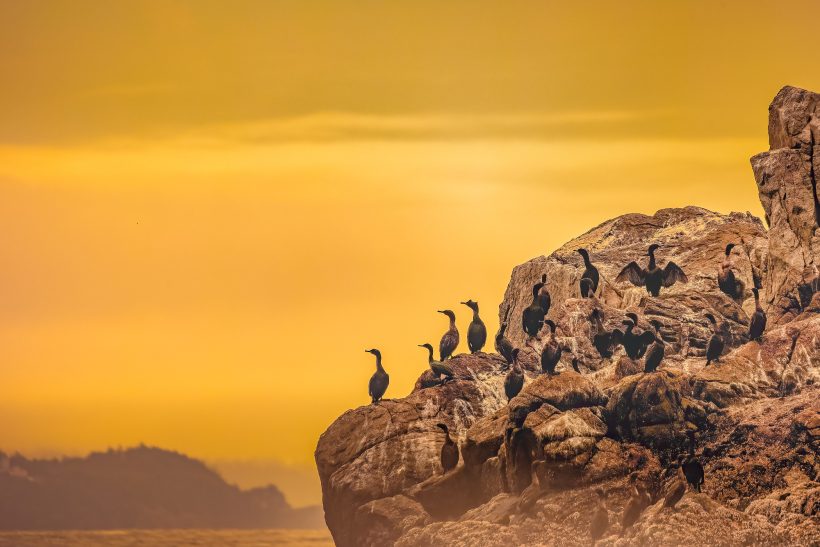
(168,538)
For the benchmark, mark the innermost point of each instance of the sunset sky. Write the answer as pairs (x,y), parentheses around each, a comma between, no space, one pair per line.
(210,209)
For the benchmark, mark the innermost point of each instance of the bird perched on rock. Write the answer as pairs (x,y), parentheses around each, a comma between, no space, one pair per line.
(449,341)
(532,493)
(758,323)
(544,299)
(676,490)
(551,354)
(638,501)
(503,345)
(727,281)
(653,277)
(635,342)
(603,340)
(515,378)
(692,468)
(476,332)
(600,519)
(439,368)
(654,355)
(715,347)
(449,451)
(533,316)
(380,379)
(590,272)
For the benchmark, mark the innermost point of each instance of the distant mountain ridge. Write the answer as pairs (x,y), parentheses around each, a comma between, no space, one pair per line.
(140,487)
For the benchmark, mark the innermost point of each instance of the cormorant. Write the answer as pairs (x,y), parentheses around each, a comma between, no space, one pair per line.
(551,354)
(533,317)
(639,501)
(758,323)
(727,281)
(653,278)
(379,380)
(503,345)
(590,272)
(654,355)
(635,343)
(544,300)
(439,368)
(600,519)
(449,451)
(715,347)
(692,468)
(449,342)
(515,378)
(676,491)
(604,341)
(476,332)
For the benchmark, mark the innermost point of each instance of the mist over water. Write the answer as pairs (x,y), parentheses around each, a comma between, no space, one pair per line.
(168,538)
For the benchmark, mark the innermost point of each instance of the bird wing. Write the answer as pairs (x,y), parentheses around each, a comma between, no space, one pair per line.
(370,385)
(632,273)
(646,338)
(672,273)
(617,336)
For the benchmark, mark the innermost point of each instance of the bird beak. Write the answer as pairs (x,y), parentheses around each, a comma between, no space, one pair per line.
(440,311)
(465,303)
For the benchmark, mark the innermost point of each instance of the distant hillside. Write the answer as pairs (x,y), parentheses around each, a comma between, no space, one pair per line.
(139,487)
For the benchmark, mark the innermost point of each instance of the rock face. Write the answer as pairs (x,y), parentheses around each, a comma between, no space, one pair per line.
(530,466)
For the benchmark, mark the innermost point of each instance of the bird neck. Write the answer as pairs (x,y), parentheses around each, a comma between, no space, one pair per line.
(452,323)
(757,302)
(475,315)
(379,363)
(587,263)
(652,260)
(430,357)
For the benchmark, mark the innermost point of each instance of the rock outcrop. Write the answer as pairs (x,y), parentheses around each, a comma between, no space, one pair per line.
(530,466)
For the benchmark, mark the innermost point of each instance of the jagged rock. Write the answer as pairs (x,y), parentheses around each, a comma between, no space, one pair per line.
(786,177)
(755,411)
(655,409)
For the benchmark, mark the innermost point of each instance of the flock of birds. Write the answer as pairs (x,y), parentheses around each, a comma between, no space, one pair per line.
(647,345)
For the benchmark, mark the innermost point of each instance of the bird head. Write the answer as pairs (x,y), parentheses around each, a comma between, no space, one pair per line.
(657,324)
(583,252)
(710,317)
(443,427)
(448,313)
(536,288)
(375,352)
(634,317)
(729,248)
(544,279)
(652,249)
(551,324)
(628,323)
(426,346)
(472,305)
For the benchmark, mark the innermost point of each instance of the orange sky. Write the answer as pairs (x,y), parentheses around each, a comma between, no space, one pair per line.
(210,209)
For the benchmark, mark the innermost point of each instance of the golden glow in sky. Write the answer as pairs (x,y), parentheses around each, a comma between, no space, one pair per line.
(210,209)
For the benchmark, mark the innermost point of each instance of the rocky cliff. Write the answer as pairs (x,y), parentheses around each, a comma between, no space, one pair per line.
(755,413)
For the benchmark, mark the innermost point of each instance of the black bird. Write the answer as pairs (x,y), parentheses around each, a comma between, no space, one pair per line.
(533,317)
(515,378)
(551,354)
(635,343)
(439,368)
(692,468)
(590,272)
(653,278)
(715,347)
(605,342)
(727,281)
(544,299)
(503,345)
(449,451)
(758,323)
(586,288)
(476,332)
(639,501)
(379,380)
(600,519)
(449,341)
(654,355)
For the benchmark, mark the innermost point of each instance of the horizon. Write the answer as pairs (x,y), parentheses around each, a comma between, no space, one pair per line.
(201,202)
